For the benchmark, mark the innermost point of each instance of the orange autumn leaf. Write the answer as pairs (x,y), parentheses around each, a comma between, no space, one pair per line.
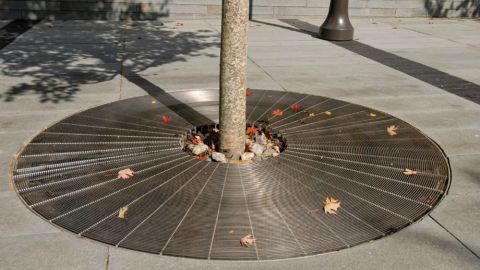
(202,158)
(328,113)
(392,130)
(166,119)
(295,107)
(249,93)
(125,174)
(252,131)
(247,240)
(409,172)
(277,112)
(331,205)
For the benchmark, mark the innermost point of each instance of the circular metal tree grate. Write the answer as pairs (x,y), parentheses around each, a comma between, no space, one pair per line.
(181,206)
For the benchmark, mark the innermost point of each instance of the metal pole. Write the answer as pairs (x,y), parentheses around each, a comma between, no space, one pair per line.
(337,26)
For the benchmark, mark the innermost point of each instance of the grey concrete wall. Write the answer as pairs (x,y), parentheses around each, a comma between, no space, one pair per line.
(192,9)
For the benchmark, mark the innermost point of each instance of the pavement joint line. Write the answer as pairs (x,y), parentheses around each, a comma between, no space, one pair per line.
(454,236)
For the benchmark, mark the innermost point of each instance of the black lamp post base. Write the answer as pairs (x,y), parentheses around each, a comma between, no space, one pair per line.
(337,26)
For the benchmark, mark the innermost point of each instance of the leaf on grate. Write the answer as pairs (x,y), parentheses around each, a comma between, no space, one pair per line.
(295,107)
(392,130)
(328,113)
(197,140)
(166,119)
(249,92)
(331,205)
(409,172)
(372,114)
(277,112)
(247,240)
(252,131)
(123,212)
(125,174)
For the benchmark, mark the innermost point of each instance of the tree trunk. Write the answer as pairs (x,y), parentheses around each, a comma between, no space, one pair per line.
(233,77)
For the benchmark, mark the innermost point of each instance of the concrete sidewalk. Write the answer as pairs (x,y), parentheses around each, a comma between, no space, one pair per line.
(60,68)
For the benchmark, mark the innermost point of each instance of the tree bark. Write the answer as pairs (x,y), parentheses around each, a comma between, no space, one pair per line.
(233,77)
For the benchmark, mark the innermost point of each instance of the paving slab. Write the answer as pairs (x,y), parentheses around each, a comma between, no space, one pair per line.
(51,251)
(17,219)
(460,216)
(465,172)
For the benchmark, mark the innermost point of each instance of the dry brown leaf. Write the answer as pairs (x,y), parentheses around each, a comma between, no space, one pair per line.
(328,113)
(372,114)
(311,114)
(331,205)
(125,174)
(231,232)
(247,240)
(123,212)
(392,130)
(409,172)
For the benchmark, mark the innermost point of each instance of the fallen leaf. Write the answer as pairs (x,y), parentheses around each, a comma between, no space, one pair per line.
(231,232)
(392,130)
(249,93)
(123,212)
(311,114)
(202,158)
(197,140)
(331,206)
(154,101)
(328,113)
(247,240)
(409,172)
(277,112)
(295,107)
(166,119)
(252,131)
(125,174)
(372,114)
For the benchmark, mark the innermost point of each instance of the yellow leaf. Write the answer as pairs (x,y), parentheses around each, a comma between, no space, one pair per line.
(409,172)
(392,130)
(331,205)
(372,114)
(328,113)
(123,212)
